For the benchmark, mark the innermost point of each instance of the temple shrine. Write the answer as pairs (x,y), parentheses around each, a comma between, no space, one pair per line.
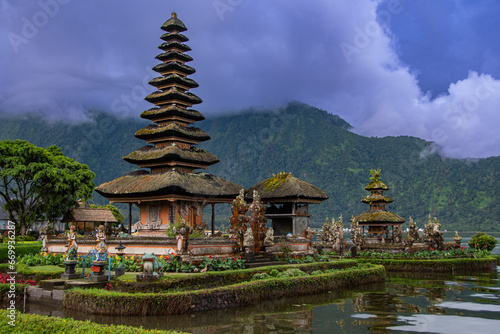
(171,192)
(377,220)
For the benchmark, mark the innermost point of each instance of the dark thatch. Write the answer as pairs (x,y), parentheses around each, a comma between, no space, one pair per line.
(172,110)
(171,153)
(173,35)
(172,93)
(174,55)
(290,188)
(174,66)
(376,185)
(172,130)
(377,199)
(165,46)
(173,24)
(378,217)
(97,215)
(172,182)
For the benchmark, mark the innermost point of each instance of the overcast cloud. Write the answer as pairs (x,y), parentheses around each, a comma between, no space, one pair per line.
(426,69)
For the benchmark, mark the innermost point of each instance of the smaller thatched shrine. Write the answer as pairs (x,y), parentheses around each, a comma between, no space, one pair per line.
(378,220)
(288,199)
(86,218)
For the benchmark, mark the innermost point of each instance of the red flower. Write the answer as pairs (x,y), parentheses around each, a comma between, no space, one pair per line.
(210,257)
(234,259)
(239,257)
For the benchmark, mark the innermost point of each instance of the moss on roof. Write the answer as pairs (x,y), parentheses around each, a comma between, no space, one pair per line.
(173,55)
(173,24)
(174,65)
(379,216)
(377,199)
(172,93)
(171,182)
(172,129)
(171,153)
(289,188)
(172,110)
(173,35)
(376,185)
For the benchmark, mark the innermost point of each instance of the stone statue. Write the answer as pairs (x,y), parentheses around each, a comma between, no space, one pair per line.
(457,239)
(408,242)
(151,265)
(72,246)
(239,219)
(43,236)
(101,247)
(356,236)
(433,235)
(182,236)
(249,241)
(326,233)
(309,233)
(338,235)
(414,231)
(269,239)
(398,234)
(258,220)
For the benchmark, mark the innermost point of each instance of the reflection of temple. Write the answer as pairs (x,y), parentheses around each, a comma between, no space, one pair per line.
(171,191)
(378,220)
(289,200)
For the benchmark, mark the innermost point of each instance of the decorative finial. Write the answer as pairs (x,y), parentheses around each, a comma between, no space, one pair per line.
(174,15)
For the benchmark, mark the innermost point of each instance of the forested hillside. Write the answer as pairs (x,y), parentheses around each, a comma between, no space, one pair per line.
(314,146)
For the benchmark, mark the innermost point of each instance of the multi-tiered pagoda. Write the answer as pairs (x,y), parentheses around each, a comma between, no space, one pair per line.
(171,191)
(378,220)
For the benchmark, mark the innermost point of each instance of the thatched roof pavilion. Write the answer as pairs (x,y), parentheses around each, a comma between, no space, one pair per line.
(289,199)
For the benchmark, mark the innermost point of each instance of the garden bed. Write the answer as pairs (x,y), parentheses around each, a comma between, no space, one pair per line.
(435,265)
(245,293)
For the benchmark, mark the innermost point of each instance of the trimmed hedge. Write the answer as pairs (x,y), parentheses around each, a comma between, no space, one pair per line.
(21,249)
(124,303)
(212,279)
(435,265)
(34,323)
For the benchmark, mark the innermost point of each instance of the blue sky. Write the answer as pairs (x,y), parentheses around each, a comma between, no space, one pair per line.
(423,68)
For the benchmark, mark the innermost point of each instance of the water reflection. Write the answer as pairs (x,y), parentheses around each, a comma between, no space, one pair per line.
(407,302)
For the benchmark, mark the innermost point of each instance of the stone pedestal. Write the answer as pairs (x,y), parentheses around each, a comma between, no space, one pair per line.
(98,271)
(148,277)
(69,270)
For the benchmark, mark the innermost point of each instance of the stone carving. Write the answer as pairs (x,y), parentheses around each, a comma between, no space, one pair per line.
(182,235)
(258,221)
(249,241)
(408,241)
(153,220)
(326,234)
(151,265)
(101,247)
(269,239)
(338,235)
(239,219)
(433,235)
(414,231)
(357,238)
(44,238)
(397,234)
(72,245)
(457,239)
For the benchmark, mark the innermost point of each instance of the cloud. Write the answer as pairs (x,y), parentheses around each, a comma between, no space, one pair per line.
(347,57)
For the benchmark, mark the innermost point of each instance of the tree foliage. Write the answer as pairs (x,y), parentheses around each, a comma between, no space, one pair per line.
(40,184)
(482,240)
(118,215)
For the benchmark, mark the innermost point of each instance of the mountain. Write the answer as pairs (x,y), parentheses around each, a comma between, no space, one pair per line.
(314,146)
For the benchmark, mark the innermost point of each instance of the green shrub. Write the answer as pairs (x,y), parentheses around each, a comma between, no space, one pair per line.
(20,250)
(482,240)
(34,323)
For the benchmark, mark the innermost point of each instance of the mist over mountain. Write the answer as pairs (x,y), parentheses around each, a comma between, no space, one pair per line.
(314,146)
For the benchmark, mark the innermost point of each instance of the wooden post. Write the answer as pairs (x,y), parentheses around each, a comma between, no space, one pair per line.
(130,218)
(213,218)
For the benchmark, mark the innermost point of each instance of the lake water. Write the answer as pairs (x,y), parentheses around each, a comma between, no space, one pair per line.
(405,303)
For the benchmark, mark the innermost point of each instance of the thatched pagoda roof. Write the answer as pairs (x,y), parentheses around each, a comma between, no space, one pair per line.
(376,185)
(377,199)
(172,110)
(150,154)
(172,93)
(174,55)
(97,215)
(165,46)
(173,182)
(174,65)
(288,187)
(378,217)
(173,35)
(173,24)
(153,131)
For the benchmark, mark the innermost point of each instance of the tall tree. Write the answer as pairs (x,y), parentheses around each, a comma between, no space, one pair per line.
(40,184)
